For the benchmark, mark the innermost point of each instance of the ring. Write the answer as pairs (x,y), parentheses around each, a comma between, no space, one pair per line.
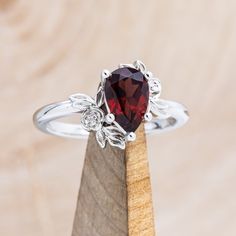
(125,98)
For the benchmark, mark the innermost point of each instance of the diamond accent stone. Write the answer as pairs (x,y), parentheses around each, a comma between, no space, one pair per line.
(92,119)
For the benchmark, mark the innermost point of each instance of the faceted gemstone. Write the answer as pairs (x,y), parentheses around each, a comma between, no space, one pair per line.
(127,95)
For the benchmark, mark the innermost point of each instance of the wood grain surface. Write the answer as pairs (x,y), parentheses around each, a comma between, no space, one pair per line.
(115,196)
(139,191)
(51,49)
(102,202)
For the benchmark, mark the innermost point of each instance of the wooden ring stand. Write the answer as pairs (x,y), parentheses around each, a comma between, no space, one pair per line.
(115,197)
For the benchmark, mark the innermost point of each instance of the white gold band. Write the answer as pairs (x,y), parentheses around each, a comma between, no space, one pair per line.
(47,119)
(125,98)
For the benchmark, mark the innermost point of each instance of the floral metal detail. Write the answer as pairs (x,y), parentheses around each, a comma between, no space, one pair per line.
(93,120)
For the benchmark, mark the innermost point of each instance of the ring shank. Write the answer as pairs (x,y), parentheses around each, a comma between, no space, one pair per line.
(46,119)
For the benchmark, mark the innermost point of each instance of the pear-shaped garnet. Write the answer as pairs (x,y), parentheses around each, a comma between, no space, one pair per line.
(127,95)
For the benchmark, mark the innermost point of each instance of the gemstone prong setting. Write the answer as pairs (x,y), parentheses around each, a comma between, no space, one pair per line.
(131,137)
(104,75)
(110,118)
(148,116)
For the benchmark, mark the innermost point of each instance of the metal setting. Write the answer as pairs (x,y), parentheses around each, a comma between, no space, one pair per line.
(131,136)
(161,115)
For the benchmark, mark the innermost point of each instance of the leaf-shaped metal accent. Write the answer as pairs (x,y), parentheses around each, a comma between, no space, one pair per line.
(117,143)
(114,136)
(159,109)
(112,130)
(82,101)
(160,103)
(140,66)
(100,98)
(126,65)
(101,138)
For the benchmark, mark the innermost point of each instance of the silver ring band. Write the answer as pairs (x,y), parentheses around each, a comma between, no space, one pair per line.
(125,98)
(46,119)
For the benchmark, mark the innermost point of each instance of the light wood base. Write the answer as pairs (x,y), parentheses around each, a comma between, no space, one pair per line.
(115,196)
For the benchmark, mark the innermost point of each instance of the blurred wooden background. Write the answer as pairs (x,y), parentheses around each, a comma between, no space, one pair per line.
(51,49)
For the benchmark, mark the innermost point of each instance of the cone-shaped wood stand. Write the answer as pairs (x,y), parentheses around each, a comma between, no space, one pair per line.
(115,197)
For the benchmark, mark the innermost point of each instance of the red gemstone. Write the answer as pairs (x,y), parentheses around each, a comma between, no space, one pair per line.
(127,95)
